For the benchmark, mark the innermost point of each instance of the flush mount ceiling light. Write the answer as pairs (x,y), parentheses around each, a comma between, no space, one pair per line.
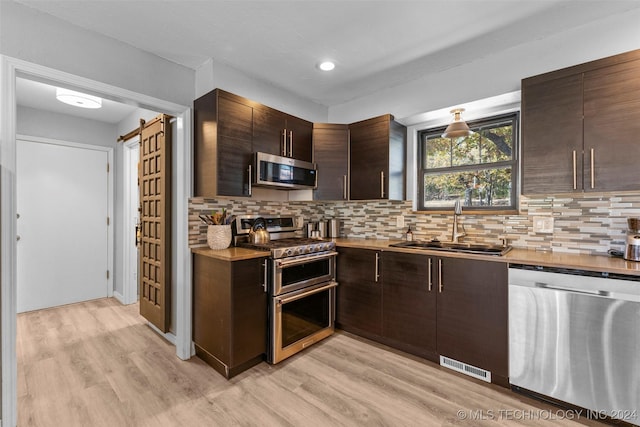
(326,66)
(457,127)
(78,99)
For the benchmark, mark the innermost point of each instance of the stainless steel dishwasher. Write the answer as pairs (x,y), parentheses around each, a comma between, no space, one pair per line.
(575,336)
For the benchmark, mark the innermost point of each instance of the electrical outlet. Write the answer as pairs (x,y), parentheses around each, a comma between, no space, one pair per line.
(543,224)
(400,221)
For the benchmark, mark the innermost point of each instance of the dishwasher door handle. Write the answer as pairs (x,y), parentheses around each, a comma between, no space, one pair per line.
(579,291)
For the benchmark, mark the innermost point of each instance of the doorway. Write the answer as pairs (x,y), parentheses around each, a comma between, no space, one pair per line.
(63,223)
(131,219)
(10,68)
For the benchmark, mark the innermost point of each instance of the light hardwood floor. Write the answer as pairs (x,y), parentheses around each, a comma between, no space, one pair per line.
(98,364)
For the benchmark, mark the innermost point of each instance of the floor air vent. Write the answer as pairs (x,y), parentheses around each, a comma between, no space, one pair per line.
(461,367)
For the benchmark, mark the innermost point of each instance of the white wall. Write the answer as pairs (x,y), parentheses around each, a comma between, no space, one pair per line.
(497,73)
(42,39)
(212,75)
(46,124)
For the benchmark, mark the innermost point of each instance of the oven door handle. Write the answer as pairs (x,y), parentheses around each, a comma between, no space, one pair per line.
(303,293)
(288,262)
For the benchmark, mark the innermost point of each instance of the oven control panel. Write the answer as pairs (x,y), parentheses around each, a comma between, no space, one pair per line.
(303,249)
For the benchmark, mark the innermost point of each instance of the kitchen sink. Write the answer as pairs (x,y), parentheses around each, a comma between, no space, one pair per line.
(472,248)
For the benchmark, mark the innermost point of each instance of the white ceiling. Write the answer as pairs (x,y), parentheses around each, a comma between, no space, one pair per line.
(42,96)
(375,44)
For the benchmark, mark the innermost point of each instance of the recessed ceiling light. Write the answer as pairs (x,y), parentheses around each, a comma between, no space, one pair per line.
(327,66)
(78,99)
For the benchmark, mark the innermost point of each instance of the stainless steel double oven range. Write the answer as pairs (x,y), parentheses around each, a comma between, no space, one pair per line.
(300,276)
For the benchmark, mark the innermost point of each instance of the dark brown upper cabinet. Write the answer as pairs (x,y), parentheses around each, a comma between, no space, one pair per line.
(580,127)
(282,134)
(223,127)
(377,159)
(228,129)
(331,156)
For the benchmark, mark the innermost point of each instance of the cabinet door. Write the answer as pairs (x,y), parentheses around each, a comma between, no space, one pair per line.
(300,139)
(205,145)
(359,292)
(552,135)
(234,147)
(331,155)
(409,302)
(222,145)
(269,131)
(370,159)
(611,127)
(212,307)
(472,319)
(249,310)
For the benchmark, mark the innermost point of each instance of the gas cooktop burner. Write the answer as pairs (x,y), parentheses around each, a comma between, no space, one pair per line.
(294,246)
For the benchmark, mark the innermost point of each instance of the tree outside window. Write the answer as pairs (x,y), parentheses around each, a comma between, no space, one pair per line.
(480,170)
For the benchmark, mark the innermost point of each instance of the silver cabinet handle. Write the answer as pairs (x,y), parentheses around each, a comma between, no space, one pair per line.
(265,278)
(344,187)
(429,275)
(377,272)
(290,143)
(250,176)
(382,184)
(575,171)
(284,142)
(593,173)
(440,285)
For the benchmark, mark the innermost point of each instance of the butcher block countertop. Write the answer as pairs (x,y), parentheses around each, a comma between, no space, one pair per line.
(600,263)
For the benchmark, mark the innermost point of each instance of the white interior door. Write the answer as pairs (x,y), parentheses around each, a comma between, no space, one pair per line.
(62,203)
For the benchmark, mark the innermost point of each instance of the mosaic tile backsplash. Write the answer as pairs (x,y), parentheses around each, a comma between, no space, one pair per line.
(586,223)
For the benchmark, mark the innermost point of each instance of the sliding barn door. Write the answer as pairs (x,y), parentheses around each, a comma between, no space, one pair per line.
(155,200)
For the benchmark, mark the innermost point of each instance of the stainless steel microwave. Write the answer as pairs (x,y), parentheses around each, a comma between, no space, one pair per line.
(283,172)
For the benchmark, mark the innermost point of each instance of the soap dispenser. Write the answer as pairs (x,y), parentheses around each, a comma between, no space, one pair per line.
(409,235)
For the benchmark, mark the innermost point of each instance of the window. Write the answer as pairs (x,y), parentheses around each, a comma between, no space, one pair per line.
(480,170)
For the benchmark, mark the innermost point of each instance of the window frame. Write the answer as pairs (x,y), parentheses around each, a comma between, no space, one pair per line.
(475,125)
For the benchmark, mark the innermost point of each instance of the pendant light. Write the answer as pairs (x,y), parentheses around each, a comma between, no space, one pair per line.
(457,127)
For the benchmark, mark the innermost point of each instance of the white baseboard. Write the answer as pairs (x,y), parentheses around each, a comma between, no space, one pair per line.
(168,336)
(119,297)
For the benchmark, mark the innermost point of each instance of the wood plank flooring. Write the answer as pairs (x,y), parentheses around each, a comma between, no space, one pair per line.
(99,364)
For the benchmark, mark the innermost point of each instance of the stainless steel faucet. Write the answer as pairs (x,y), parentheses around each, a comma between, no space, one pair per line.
(458,229)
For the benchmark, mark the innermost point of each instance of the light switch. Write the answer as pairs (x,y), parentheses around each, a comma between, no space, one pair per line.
(543,224)
(400,221)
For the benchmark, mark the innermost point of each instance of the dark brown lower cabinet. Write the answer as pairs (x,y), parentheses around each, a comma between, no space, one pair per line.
(359,292)
(409,303)
(427,305)
(229,313)
(473,314)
